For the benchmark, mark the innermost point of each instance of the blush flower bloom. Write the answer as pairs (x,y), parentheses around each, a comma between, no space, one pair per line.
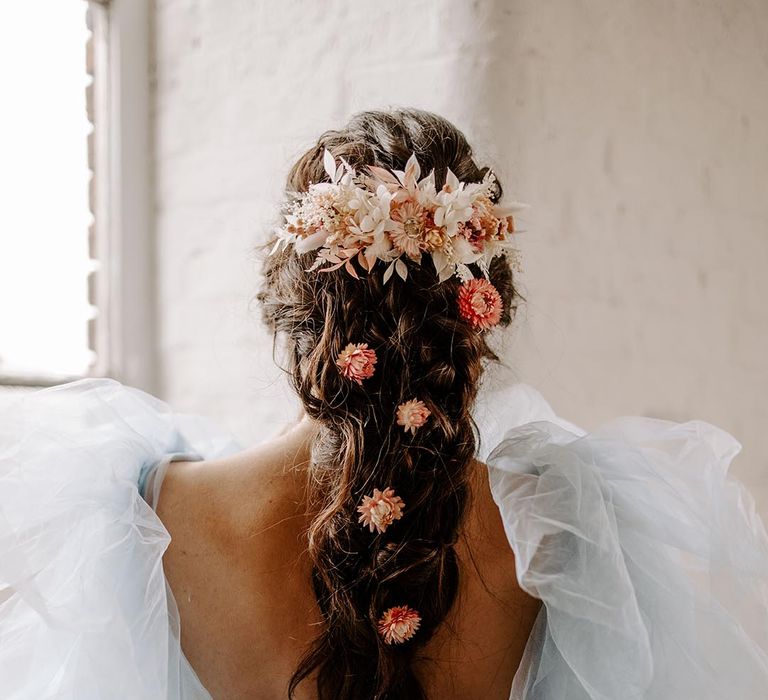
(480,303)
(408,230)
(399,624)
(380,510)
(412,415)
(356,362)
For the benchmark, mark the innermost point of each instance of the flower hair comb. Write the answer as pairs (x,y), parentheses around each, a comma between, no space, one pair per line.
(393,215)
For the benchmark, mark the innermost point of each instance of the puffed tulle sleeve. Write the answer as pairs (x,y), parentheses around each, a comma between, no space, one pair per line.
(650,560)
(84,609)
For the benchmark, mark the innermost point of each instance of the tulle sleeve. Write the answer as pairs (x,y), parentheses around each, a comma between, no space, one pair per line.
(650,559)
(84,608)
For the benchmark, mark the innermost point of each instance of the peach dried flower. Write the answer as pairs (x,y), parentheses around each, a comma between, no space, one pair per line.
(399,624)
(412,415)
(380,510)
(356,362)
(409,225)
(480,303)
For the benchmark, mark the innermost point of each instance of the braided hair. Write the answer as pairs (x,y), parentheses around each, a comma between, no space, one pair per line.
(425,351)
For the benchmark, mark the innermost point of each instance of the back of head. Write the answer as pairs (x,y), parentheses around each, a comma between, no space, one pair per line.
(404,423)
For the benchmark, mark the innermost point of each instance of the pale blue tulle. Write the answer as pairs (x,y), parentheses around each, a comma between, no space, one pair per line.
(650,559)
(84,609)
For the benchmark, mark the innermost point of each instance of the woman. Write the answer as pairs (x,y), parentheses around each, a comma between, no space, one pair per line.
(424,531)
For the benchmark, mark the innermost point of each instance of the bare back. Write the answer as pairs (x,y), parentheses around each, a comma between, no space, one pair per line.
(240,572)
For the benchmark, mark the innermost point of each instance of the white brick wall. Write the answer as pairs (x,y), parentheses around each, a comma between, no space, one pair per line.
(637,131)
(641,137)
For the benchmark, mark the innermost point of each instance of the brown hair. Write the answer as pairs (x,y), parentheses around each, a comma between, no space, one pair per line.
(425,350)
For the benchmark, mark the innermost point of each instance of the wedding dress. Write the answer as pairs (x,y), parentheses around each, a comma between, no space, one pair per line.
(650,560)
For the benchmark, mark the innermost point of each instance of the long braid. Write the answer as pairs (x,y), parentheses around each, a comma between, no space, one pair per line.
(425,352)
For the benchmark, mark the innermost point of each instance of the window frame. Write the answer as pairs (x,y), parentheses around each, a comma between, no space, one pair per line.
(127,336)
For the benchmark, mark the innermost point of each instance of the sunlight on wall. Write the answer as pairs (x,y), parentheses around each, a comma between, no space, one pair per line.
(44,176)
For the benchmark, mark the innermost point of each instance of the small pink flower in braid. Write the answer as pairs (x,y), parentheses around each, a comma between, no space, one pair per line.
(399,624)
(412,415)
(480,303)
(380,510)
(356,362)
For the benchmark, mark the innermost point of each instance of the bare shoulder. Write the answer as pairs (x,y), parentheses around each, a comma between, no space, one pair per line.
(237,563)
(484,519)
(241,494)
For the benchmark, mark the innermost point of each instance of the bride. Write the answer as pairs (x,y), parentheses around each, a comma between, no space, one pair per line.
(426,530)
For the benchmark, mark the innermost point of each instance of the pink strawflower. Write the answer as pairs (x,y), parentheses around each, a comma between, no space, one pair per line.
(480,303)
(412,415)
(356,362)
(399,624)
(380,510)
(409,227)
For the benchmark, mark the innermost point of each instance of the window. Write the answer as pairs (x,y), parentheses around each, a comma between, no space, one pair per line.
(76,239)
(49,179)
